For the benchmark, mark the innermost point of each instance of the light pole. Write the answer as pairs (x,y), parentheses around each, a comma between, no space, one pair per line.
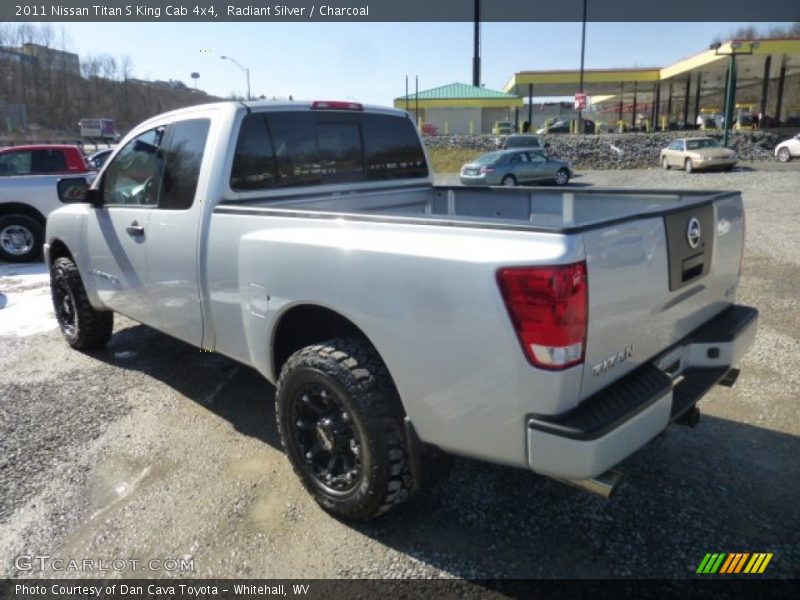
(243,68)
(730,96)
(583,54)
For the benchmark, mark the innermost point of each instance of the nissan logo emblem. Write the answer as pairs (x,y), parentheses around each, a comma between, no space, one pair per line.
(693,233)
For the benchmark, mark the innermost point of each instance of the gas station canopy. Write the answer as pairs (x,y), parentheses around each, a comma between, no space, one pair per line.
(758,62)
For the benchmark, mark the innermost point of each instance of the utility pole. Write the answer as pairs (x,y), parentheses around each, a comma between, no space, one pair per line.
(476,59)
(583,54)
(416,100)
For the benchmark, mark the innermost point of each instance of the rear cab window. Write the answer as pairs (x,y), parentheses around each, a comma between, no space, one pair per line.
(293,148)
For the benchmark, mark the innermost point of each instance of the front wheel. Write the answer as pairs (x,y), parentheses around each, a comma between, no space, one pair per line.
(665,163)
(562,177)
(21,238)
(509,181)
(689,166)
(784,155)
(340,422)
(83,326)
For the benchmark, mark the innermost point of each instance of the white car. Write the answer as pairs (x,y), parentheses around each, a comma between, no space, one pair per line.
(785,151)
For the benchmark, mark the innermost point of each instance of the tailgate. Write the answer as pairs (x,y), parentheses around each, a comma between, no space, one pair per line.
(654,280)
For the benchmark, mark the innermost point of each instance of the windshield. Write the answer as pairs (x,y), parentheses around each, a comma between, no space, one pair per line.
(701,143)
(488,158)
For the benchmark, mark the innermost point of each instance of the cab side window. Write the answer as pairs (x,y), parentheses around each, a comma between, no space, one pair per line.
(48,161)
(182,159)
(158,168)
(15,163)
(134,176)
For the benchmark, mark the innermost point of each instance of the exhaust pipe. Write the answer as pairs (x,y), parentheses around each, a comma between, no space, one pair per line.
(603,485)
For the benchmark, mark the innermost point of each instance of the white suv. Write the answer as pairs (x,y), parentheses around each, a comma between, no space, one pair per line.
(788,149)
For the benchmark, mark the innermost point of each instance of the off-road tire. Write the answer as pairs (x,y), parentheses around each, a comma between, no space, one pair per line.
(36,230)
(350,369)
(88,328)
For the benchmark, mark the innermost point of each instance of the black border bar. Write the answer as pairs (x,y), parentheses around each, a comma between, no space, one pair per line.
(398,10)
(707,587)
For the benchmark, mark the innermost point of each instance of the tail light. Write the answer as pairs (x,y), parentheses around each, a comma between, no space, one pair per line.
(336,105)
(487,169)
(549,308)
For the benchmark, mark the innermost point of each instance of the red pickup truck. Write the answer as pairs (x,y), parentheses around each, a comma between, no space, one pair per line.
(40,159)
(28,193)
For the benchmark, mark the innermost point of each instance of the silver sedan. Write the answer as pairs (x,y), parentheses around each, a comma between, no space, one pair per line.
(514,167)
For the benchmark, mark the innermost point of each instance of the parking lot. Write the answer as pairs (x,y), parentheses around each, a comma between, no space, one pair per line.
(152,449)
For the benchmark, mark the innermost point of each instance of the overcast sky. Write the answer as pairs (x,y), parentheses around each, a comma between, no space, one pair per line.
(368,61)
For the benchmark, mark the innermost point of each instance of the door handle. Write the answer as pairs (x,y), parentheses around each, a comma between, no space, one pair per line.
(135,229)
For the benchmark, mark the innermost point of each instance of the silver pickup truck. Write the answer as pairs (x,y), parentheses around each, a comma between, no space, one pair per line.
(557,330)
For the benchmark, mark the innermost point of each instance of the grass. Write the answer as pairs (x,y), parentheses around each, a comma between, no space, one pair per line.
(450,160)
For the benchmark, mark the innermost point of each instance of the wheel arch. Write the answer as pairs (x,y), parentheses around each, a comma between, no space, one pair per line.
(306,324)
(19,208)
(59,249)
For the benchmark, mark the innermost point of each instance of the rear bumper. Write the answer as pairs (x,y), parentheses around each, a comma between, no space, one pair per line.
(617,421)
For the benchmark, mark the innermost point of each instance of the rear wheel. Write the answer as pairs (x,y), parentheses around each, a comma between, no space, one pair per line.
(83,326)
(688,166)
(21,238)
(340,421)
(784,155)
(509,180)
(562,177)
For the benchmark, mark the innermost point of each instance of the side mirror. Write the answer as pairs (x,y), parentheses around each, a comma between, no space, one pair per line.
(75,190)
(72,190)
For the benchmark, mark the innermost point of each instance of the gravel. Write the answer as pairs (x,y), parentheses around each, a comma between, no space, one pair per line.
(154,449)
(621,151)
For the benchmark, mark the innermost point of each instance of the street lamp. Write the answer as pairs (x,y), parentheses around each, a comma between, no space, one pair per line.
(730,96)
(243,68)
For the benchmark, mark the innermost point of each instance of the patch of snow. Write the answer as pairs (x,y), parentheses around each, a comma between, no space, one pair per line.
(25,304)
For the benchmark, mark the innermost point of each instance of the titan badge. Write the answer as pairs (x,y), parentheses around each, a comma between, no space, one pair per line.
(608,363)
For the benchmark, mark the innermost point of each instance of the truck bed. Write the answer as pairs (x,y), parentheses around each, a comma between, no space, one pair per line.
(539,209)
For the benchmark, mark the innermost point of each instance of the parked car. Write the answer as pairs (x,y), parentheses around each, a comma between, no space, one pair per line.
(696,154)
(788,149)
(563,126)
(98,159)
(28,194)
(518,140)
(502,127)
(398,318)
(429,129)
(515,167)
